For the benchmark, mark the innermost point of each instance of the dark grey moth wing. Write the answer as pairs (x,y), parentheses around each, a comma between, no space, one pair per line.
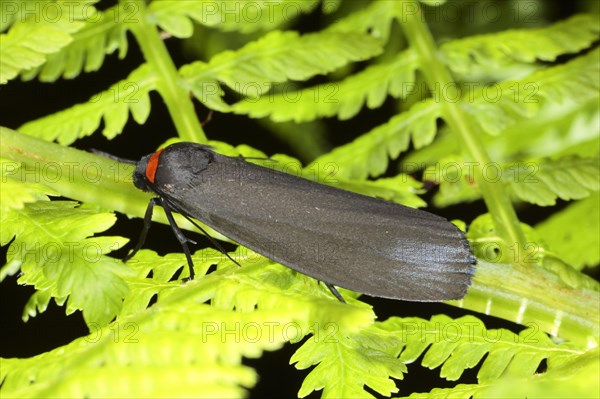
(339,237)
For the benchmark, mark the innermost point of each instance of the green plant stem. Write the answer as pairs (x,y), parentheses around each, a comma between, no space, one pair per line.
(81,176)
(440,81)
(536,298)
(177,99)
(505,291)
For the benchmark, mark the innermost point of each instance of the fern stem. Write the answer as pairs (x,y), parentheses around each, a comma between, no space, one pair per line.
(110,188)
(443,85)
(513,293)
(498,290)
(177,99)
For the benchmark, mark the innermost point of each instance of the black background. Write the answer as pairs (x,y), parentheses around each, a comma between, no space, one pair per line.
(25,101)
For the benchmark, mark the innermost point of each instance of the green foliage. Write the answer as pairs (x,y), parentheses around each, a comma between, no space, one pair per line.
(33,40)
(177,18)
(276,57)
(576,243)
(375,17)
(576,379)
(537,181)
(496,56)
(343,99)
(89,46)
(56,254)
(576,81)
(159,353)
(111,106)
(460,344)
(370,153)
(346,363)
(508,116)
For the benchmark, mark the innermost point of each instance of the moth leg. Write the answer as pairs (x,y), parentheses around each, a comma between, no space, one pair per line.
(212,240)
(334,291)
(183,240)
(145,229)
(207,119)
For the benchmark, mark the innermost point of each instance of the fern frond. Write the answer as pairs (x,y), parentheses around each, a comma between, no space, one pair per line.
(342,99)
(103,33)
(258,284)
(566,178)
(460,344)
(277,57)
(575,379)
(265,285)
(459,391)
(177,17)
(247,304)
(53,246)
(577,81)
(188,339)
(15,195)
(30,41)
(308,139)
(544,87)
(538,182)
(576,243)
(113,106)
(345,99)
(376,18)
(369,154)
(345,363)
(557,131)
(474,55)
(163,268)
(564,124)
(180,348)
